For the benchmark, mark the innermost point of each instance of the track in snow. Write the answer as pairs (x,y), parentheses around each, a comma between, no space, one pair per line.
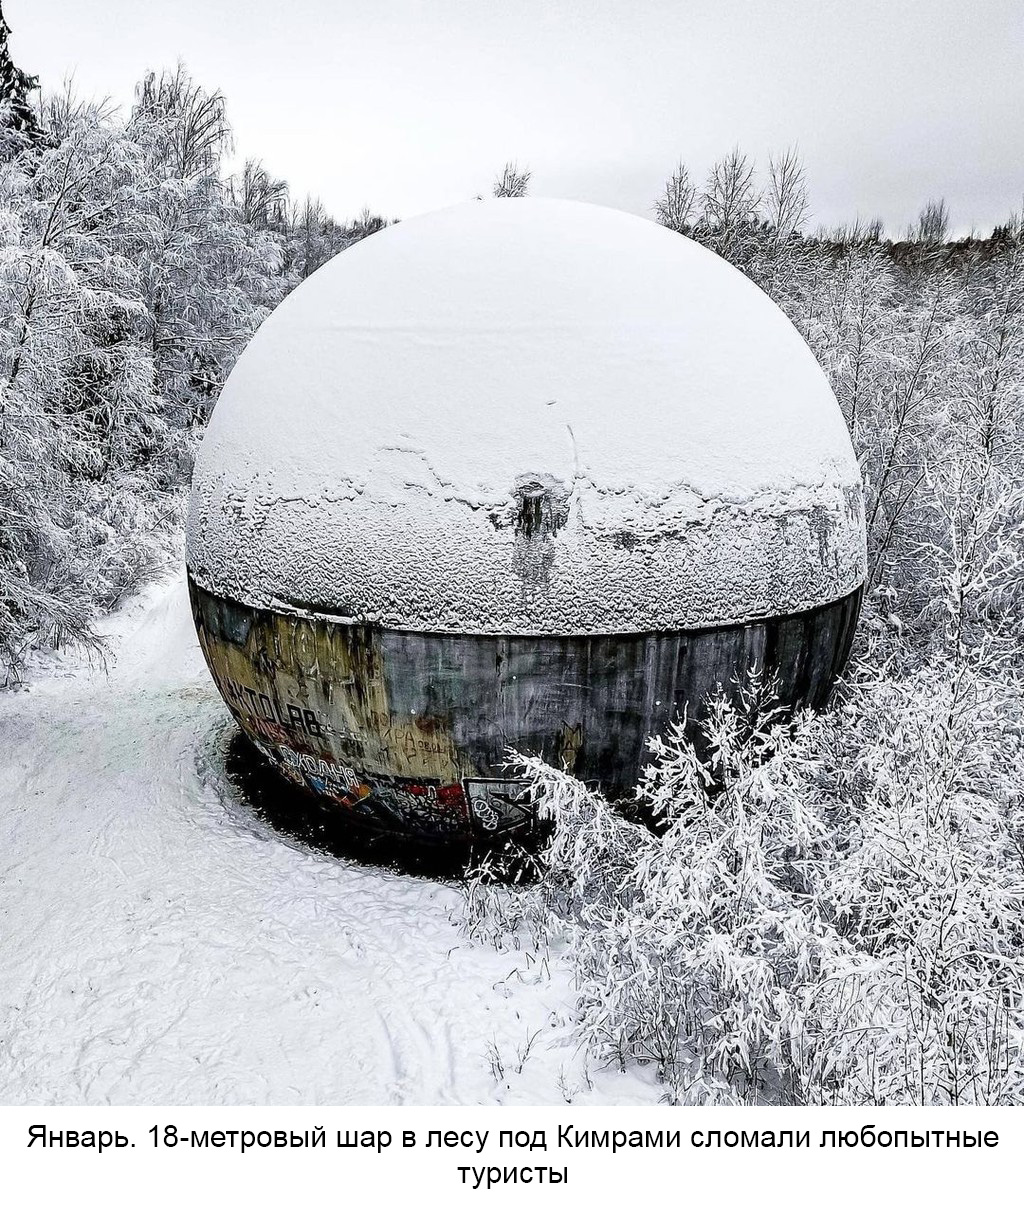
(162,945)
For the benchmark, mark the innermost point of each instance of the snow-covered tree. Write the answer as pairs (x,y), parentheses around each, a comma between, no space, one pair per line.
(676,208)
(785,199)
(932,223)
(731,204)
(209,275)
(131,276)
(19,123)
(262,199)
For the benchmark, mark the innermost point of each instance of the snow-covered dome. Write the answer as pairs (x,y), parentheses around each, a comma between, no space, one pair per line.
(524,417)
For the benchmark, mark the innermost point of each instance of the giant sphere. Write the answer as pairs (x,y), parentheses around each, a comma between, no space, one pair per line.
(519,473)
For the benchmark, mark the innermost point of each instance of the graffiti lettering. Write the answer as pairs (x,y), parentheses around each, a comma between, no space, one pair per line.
(258,706)
(332,772)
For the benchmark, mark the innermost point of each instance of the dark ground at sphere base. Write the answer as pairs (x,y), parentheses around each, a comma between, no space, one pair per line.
(324,826)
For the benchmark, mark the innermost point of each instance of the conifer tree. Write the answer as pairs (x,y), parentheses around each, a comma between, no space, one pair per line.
(16,113)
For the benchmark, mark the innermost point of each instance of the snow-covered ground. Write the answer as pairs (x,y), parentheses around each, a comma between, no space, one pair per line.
(160,944)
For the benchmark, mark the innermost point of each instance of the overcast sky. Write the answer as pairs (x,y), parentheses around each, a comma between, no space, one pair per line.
(408,105)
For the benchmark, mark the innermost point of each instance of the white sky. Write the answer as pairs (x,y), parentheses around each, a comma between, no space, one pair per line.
(408,105)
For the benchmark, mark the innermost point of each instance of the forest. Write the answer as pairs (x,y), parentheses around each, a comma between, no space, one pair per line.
(831,909)
(133,271)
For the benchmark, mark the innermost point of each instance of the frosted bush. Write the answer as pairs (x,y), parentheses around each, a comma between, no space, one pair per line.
(929,883)
(826,909)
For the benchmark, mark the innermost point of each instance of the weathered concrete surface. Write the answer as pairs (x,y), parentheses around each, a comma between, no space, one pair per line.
(410,730)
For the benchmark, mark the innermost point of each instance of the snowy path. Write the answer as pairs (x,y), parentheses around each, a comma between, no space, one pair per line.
(161,945)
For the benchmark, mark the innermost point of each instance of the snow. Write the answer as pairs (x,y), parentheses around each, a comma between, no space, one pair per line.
(365,456)
(163,946)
